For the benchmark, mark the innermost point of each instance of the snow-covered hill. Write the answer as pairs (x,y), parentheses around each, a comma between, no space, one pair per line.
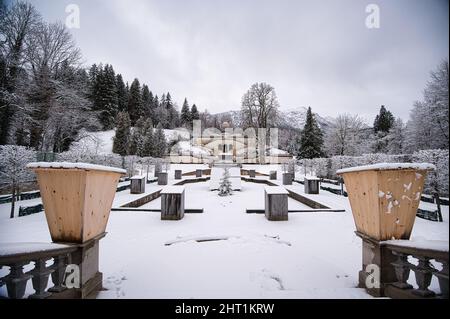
(102,142)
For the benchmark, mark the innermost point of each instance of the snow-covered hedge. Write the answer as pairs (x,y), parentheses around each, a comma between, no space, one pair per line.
(438,180)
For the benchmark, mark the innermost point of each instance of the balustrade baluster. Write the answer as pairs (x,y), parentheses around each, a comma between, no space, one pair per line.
(443,278)
(59,267)
(424,273)
(16,280)
(402,269)
(40,278)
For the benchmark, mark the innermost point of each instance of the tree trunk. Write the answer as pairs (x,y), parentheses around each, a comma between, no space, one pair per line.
(438,204)
(13,201)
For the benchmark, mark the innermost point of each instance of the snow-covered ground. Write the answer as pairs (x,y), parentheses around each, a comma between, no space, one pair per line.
(312,255)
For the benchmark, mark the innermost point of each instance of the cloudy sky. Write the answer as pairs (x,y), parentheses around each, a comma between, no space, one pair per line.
(315,53)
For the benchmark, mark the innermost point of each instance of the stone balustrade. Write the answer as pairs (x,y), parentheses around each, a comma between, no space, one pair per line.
(424,270)
(17,256)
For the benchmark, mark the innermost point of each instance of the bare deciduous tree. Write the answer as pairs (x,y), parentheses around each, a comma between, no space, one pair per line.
(343,137)
(259,106)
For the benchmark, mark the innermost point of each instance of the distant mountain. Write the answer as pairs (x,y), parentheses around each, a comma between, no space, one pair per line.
(291,118)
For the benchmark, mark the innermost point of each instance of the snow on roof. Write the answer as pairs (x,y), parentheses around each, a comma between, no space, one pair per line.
(173,190)
(275,190)
(277,151)
(388,166)
(66,165)
(24,248)
(138,177)
(438,245)
(312,178)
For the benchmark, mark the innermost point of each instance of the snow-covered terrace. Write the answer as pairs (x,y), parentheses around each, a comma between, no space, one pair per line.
(312,255)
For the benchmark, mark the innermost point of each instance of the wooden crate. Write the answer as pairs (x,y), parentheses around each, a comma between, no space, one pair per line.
(276,203)
(384,201)
(77,201)
(138,184)
(287,178)
(273,175)
(172,203)
(162,178)
(312,185)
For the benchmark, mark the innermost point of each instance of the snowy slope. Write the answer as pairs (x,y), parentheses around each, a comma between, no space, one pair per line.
(102,142)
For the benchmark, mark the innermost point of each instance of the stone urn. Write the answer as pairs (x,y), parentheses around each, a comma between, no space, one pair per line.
(77,198)
(385,197)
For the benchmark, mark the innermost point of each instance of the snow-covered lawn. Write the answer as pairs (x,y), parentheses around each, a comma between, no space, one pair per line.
(313,255)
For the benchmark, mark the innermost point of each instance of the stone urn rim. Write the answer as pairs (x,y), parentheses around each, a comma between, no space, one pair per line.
(388,167)
(75,166)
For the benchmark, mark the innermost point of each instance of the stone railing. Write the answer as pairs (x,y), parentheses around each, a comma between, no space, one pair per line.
(18,256)
(424,271)
(20,262)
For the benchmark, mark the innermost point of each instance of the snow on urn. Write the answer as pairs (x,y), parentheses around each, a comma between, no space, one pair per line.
(77,198)
(385,197)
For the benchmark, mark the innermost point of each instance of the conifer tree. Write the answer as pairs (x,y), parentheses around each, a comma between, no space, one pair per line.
(310,143)
(123,134)
(135,102)
(383,121)
(136,142)
(147,102)
(122,94)
(160,145)
(105,96)
(195,115)
(148,139)
(185,117)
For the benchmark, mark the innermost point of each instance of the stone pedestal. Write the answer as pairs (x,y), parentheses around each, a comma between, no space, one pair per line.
(158,168)
(178,174)
(287,179)
(137,184)
(276,203)
(82,268)
(172,203)
(273,175)
(162,178)
(312,185)
(198,173)
(377,269)
(252,173)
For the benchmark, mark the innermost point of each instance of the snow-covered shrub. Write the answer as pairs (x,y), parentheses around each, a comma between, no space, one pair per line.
(130,164)
(76,156)
(225,184)
(436,180)
(289,166)
(321,166)
(369,159)
(338,162)
(13,171)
